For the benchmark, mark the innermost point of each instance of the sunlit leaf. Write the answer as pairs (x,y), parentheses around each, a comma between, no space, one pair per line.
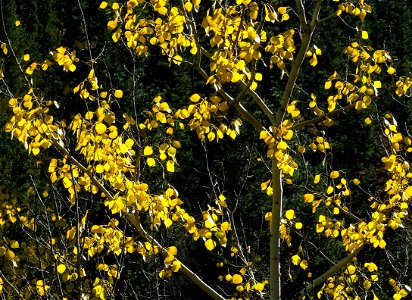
(210,244)
(100,128)
(290,214)
(61,268)
(118,94)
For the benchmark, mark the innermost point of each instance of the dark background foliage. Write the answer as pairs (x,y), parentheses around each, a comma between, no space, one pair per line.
(229,167)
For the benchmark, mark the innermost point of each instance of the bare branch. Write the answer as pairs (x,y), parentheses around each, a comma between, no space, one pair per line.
(11,285)
(303,124)
(315,15)
(324,20)
(348,213)
(262,105)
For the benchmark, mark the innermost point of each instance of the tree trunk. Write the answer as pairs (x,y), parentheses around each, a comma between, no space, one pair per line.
(275,280)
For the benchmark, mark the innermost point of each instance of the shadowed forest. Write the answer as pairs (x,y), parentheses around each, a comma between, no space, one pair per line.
(164,149)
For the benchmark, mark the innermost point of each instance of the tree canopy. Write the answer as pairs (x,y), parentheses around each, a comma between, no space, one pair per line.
(260,150)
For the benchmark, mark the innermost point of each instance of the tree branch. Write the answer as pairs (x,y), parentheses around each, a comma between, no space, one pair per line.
(135,221)
(332,271)
(315,16)
(274,265)
(303,124)
(11,285)
(297,63)
(262,105)
(324,20)
(277,197)
(349,214)
(239,107)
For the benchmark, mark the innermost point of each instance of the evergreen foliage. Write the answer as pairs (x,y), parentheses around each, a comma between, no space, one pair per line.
(51,227)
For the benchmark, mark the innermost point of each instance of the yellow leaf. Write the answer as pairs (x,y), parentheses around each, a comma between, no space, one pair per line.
(148,150)
(162,10)
(111,25)
(177,144)
(99,169)
(359,105)
(118,94)
(391,70)
(351,269)
(129,143)
(258,77)
(195,98)
(304,264)
(176,266)
(210,244)
(334,174)
(172,251)
(151,162)
(237,279)
(4,48)
(329,190)
(377,84)
(374,277)
(309,198)
(67,182)
(367,284)
(100,128)
(290,214)
(89,115)
(259,287)
(371,267)
(10,254)
(188,6)
(171,151)
(61,268)
(103,5)
(295,259)
(314,60)
(252,35)
(282,10)
(170,166)
(123,149)
(408,192)
(177,59)
(14,244)
(282,145)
